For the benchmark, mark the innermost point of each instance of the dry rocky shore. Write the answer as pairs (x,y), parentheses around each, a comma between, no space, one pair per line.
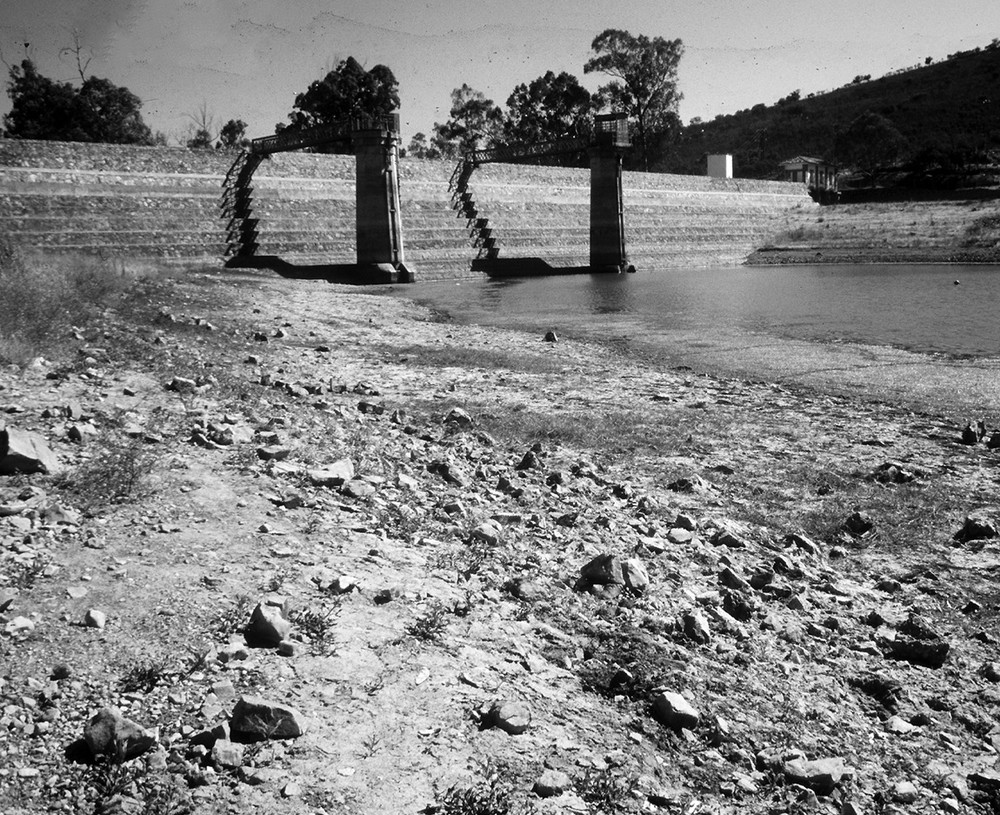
(302,549)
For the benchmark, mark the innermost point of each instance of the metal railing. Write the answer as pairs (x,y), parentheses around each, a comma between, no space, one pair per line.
(323,134)
(517,152)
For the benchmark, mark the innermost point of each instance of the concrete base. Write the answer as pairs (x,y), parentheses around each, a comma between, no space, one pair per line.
(357,274)
(536,267)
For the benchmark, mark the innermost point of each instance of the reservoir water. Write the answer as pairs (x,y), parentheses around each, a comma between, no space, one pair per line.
(920,308)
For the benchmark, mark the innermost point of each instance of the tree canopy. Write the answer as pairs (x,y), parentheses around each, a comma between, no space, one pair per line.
(474,121)
(99,111)
(549,107)
(644,82)
(346,91)
(870,143)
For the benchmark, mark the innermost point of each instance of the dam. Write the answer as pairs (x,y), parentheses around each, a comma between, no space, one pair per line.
(160,204)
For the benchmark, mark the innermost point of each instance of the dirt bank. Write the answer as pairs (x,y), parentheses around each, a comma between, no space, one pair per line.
(934,231)
(785,620)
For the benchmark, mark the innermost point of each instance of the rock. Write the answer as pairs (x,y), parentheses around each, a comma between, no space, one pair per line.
(358,489)
(926,653)
(511,717)
(109,733)
(822,776)
(991,671)
(635,575)
(19,626)
(530,461)
(730,579)
(487,532)
(273,452)
(905,792)
(693,483)
(95,619)
(892,472)
(332,475)
(859,524)
(802,542)
(551,783)
(180,384)
(675,711)
(227,754)
(969,435)
(696,627)
(268,626)
(23,452)
(550,336)
(255,719)
(602,575)
(458,418)
(977,527)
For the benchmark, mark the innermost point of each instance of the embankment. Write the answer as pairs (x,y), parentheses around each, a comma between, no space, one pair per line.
(945,230)
(145,202)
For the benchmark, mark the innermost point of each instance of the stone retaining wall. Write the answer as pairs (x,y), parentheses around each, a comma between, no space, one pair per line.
(162,202)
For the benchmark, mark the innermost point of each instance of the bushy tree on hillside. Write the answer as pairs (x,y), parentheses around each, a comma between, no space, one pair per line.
(345,92)
(644,83)
(870,143)
(99,111)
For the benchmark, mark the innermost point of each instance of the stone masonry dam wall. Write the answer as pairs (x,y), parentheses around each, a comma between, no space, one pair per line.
(162,202)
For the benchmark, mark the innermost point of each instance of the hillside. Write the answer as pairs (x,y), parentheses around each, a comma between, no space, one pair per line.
(948,112)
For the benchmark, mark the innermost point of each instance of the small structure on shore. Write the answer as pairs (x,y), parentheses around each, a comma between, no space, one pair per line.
(819,176)
(720,166)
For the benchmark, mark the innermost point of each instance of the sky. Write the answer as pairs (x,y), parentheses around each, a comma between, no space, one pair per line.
(248,59)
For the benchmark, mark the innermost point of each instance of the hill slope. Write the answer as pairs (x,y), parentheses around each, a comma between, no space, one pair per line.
(948,112)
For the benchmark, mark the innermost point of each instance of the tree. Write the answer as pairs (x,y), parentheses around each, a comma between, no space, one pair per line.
(99,111)
(345,92)
(549,107)
(645,81)
(473,121)
(113,113)
(869,143)
(233,135)
(419,148)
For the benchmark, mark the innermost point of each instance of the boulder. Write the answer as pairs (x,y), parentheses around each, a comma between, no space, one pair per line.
(109,733)
(822,776)
(256,719)
(551,783)
(268,626)
(675,711)
(511,717)
(977,527)
(24,452)
(332,475)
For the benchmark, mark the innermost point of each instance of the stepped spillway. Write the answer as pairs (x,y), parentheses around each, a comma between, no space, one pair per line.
(162,202)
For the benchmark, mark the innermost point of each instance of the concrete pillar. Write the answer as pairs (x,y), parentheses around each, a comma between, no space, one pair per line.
(379,228)
(607,220)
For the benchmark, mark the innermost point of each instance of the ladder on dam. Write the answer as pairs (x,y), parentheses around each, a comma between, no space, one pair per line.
(374,141)
(463,201)
(610,136)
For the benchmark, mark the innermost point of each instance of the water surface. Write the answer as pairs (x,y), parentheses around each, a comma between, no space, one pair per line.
(929,309)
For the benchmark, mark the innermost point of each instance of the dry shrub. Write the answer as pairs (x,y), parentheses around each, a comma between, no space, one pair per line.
(40,300)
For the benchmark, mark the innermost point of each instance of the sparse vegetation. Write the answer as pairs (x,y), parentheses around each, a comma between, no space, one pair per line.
(43,300)
(118,471)
(491,794)
(431,625)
